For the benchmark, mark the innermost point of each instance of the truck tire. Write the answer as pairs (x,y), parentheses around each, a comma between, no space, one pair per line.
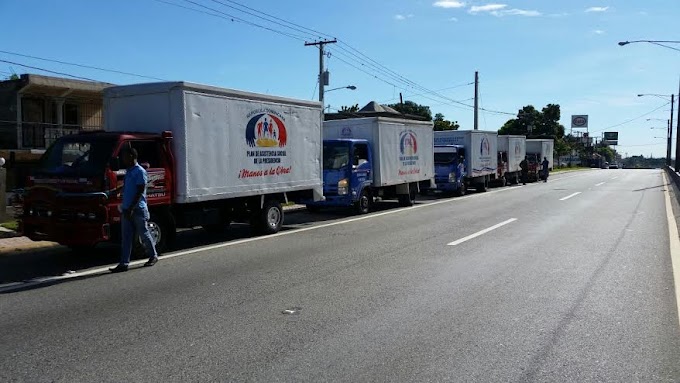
(483,186)
(270,218)
(460,191)
(363,205)
(406,200)
(162,229)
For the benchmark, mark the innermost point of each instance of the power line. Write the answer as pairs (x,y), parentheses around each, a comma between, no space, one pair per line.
(244,21)
(632,119)
(438,90)
(667,46)
(49,71)
(359,57)
(80,65)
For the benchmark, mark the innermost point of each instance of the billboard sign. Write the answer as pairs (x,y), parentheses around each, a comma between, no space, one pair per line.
(611,136)
(579,121)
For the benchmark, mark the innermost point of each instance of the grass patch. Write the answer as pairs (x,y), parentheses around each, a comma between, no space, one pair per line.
(562,170)
(11,225)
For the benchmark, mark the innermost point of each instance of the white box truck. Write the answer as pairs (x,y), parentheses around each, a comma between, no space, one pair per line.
(512,150)
(480,153)
(540,148)
(212,155)
(371,157)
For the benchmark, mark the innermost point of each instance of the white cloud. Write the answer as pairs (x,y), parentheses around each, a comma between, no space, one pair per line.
(454,19)
(598,32)
(563,14)
(520,12)
(487,8)
(402,17)
(499,10)
(597,9)
(449,4)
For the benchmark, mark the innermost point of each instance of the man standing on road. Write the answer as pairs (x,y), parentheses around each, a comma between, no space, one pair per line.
(524,165)
(135,212)
(545,164)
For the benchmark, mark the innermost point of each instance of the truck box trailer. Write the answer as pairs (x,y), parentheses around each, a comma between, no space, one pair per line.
(212,155)
(513,150)
(541,148)
(481,154)
(374,157)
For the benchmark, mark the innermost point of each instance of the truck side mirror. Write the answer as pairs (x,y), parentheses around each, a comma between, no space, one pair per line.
(114,163)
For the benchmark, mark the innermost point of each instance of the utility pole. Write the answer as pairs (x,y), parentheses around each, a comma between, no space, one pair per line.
(670,143)
(677,131)
(476,125)
(322,82)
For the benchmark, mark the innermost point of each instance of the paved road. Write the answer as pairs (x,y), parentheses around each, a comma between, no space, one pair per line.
(572,287)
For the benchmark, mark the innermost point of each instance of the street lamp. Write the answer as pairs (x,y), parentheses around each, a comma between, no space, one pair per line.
(350,87)
(670,129)
(655,42)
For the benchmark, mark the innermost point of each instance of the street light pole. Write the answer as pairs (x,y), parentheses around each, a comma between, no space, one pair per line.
(677,142)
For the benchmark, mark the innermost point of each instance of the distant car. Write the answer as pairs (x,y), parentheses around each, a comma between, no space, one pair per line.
(605,165)
(613,166)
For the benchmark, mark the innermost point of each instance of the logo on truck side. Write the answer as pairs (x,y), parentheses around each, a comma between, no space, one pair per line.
(266,130)
(408,147)
(266,134)
(485,149)
(518,149)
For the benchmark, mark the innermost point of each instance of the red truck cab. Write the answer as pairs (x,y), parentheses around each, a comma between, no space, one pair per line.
(74,195)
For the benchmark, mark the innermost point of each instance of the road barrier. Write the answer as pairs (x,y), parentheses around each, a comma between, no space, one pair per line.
(675,178)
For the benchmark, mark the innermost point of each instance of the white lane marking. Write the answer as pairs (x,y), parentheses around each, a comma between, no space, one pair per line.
(102,270)
(570,196)
(600,184)
(674,243)
(482,232)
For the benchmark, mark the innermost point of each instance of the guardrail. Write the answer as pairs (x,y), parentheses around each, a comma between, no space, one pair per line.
(675,178)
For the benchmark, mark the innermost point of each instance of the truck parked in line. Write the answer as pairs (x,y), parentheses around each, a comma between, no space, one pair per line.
(449,169)
(480,156)
(537,150)
(212,156)
(512,150)
(374,157)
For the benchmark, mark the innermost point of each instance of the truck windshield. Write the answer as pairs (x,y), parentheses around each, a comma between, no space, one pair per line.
(77,156)
(445,158)
(335,155)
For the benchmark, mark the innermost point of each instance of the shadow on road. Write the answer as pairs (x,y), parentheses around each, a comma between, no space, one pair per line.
(22,266)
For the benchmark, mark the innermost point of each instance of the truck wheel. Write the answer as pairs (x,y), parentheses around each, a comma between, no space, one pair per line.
(271,217)
(406,200)
(483,186)
(162,230)
(460,191)
(363,205)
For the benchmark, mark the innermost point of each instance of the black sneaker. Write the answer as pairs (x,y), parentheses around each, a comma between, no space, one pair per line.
(119,269)
(151,262)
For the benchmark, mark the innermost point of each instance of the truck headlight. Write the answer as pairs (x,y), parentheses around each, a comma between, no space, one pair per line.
(452,177)
(343,187)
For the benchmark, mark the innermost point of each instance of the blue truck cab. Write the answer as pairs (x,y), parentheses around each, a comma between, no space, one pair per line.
(450,169)
(347,175)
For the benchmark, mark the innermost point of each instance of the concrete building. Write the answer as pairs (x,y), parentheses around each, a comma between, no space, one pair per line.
(35,110)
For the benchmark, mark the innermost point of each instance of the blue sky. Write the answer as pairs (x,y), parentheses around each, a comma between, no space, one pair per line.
(527,52)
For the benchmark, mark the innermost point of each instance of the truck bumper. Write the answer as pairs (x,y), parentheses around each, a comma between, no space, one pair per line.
(448,186)
(333,201)
(66,233)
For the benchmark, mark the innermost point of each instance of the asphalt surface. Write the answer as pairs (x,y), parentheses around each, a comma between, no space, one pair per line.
(572,290)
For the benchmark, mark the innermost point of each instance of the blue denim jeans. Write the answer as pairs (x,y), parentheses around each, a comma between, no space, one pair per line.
(130,229)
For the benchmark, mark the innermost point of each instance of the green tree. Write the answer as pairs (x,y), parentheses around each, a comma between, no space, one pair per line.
(350,109)
(411,108)
(441,124)
(536,124)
